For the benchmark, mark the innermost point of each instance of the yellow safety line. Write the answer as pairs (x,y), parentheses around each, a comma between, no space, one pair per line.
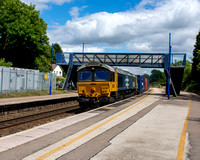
(87,132)
(183,135)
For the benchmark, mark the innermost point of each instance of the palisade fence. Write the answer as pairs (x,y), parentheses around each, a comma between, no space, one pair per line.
(24,80)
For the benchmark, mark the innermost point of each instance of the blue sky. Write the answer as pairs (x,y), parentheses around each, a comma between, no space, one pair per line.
(60,13)
(121,25)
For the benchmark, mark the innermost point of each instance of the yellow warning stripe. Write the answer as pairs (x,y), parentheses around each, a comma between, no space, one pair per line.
(87,132)
(183,135)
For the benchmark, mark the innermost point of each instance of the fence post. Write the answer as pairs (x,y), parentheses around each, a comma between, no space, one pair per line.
(15,71)
(9,79)
(26,80)
(51,70)
(1,80)
(33,81)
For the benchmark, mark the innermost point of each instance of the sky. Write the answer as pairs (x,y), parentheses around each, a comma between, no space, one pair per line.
(121,25)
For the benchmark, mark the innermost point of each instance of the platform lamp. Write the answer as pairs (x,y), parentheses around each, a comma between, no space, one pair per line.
(51,71)
(83,47)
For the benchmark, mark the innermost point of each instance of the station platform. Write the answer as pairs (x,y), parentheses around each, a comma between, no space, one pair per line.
(28,99)
(147,127)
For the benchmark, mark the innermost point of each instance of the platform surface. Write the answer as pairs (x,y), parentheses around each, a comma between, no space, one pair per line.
(18,100)
(149,127)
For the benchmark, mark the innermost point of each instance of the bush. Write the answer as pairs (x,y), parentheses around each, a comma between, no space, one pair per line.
(60,79)
(193,87)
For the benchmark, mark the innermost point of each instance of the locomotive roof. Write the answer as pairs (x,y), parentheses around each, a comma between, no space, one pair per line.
(96,64)
(118,70)
(112,69)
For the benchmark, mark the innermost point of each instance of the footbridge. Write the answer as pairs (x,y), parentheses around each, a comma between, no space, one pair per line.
(144,60)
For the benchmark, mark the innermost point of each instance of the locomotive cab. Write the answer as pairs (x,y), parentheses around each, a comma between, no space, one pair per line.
(99,82)
(95,84)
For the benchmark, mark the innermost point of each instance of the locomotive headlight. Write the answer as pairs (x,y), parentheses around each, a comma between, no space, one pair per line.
(81,90)
(93,90)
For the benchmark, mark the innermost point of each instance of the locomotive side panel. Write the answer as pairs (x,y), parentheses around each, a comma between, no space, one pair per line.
(126,82)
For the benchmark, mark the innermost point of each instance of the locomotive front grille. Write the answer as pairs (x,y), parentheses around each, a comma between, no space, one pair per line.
(97,89)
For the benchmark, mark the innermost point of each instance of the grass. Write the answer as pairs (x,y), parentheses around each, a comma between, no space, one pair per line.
(25,94)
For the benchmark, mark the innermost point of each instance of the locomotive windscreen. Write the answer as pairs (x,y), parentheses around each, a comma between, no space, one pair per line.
(85,76)
(101,76)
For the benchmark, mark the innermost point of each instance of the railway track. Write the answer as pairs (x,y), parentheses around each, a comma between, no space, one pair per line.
(30,118)
(10,126)
(20,123)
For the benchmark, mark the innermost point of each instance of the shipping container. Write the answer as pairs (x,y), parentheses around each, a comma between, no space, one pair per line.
(141,84)
(146,84)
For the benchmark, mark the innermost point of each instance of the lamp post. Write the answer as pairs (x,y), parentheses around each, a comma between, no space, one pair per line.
(83,47)
(168,89)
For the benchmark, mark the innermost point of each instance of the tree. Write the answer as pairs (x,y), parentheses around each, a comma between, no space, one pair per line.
(146,76)
(23,38)
(187,75)
(4,63)
(43,61)
(157,76)
(196,60)
(56,49)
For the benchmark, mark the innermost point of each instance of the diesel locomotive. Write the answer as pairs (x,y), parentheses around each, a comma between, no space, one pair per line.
(99,83)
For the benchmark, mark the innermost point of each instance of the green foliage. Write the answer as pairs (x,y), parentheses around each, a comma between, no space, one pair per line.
(196,60)
(42,63)
(177,63)
(57,48)
(23,36)
(25,94)
(193,87)
(60,79)
(191,80)
(3,63)
(146,76)
(187,75)
(157,76)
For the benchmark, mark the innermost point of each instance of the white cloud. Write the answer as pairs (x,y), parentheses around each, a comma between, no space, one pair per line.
(138,70)
(139,47)
(79,48)
(144,28)
(44,4)
(74,12)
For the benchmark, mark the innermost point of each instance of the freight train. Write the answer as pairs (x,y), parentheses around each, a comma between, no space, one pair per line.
(99,83)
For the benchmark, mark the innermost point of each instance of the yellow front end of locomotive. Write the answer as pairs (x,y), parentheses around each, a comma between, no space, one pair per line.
(96,89)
